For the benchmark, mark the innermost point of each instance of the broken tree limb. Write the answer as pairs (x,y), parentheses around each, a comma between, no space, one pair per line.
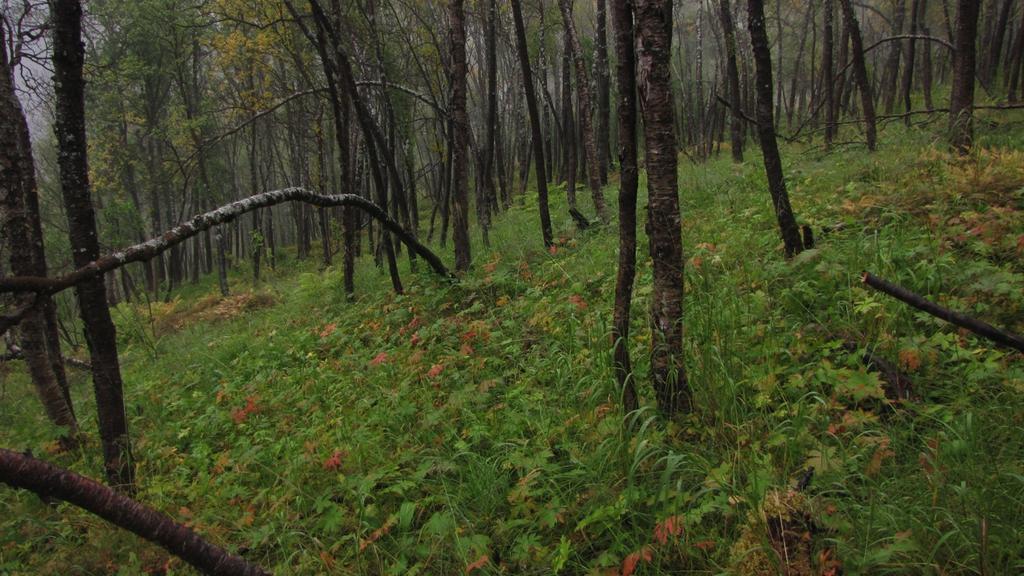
(48,481)
(182,232)
(14,352)
(980,328)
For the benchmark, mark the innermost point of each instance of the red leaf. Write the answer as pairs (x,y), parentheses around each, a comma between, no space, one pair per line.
(241,414)
(435,370)
(415,339)
(379,359)
(334,462)
(671,526)
(629,564)
(553,250)
(479,563)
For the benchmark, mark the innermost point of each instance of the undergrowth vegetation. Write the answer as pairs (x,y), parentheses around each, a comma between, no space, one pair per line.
(477,427)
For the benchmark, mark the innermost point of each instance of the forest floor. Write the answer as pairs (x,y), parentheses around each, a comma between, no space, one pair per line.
(476,427)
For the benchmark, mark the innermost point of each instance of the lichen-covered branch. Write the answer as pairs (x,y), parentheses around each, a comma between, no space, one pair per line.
(48,481)
(186,230)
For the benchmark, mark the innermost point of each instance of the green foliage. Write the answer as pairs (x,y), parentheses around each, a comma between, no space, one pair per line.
(478,425)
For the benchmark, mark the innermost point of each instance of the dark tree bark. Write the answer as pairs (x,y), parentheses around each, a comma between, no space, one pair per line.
(534,112)
(48,481)
(625,73)
(828,72)
(654,53)
(766,130)
(984,329)
(21,231)
(996,49)
(908,66)
(892,63)
(961,98)
(860,73)
(586,112)
(603,89)
(569,151)
(222,262)
(491,127)
(733,77)
(460,135)
(101,336)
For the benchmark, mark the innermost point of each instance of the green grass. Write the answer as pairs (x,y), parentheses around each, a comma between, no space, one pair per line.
(353,462)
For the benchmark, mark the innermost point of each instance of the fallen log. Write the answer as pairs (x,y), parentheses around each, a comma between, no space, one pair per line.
(184,231)
(48,481)
(979,327)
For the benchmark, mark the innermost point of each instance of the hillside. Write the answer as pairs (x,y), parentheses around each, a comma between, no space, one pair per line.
(476,426)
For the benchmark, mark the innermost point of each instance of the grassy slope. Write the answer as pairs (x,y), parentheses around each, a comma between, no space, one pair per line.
(495,429)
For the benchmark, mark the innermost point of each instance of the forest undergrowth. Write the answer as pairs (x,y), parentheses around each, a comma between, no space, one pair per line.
(477,428)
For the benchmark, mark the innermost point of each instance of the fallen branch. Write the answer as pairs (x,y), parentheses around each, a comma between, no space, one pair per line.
(740,113)
(980,328)
(182,232)
(14,352)
(48,481)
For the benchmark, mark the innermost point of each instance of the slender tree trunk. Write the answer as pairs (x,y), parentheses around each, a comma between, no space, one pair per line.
(654,53)
(101,336)
(733,77)
(766,129)
(892,64)
(908,68)
(828,73)
(534,112)
(460,135)
(603,90)
(586,112)
(21,231)
(625,72)
(860,73)
(222,262)
(569,152)
(961,99)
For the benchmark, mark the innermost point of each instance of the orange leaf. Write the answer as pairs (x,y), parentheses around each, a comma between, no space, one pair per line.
(379,359)
(629,564)
(553,250)
(415,339)
(671,526)
(328,330)
(479,563)
(334,462)
(578,301)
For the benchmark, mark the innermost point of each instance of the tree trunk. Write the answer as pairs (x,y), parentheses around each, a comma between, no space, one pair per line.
(460,135)
(733,78)
(21,231)
(625,72)
(603,90)
(908,68)
(828,73)
(766,129)
(101,336)
(961,98)
(654,52)
(892,64)
(586,112)
(534,112)
(860,73)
